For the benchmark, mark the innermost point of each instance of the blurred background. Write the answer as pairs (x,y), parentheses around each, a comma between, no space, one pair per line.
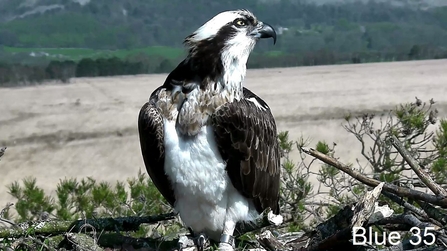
(61,39)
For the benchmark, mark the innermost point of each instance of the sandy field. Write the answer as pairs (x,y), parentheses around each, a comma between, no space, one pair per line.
(89,127)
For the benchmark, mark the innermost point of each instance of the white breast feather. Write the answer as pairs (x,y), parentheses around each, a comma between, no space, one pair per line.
(205,197)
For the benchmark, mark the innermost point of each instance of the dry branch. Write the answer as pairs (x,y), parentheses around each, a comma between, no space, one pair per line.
(365,208)
(433,212)
(2,213)
(2,151)
(428,181)
(400,191)
(54,227)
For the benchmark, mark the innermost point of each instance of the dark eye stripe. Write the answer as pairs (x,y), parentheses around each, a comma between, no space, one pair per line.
(249,19)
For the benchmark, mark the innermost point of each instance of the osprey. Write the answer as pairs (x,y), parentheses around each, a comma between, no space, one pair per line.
(209,144)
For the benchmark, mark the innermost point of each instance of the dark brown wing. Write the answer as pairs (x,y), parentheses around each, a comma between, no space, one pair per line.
(150,128)
(246,136)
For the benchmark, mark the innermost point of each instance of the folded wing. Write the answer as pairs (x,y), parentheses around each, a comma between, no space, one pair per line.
(246,135)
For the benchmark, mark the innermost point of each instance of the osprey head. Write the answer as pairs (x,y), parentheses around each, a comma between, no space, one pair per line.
(230,36)
(239,26)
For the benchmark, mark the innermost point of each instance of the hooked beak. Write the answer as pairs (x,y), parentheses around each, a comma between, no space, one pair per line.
(264,31)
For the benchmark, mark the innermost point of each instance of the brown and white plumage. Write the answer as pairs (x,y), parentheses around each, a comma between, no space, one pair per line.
(209,144)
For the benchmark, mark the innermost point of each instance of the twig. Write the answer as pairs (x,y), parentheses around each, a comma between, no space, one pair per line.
(401,191)
(428,181)
(7,221)
(2,151)
(2,213)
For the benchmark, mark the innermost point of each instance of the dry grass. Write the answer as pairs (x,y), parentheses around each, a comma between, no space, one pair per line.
(89,127)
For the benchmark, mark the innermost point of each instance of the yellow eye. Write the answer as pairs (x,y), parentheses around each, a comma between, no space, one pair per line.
(240,23)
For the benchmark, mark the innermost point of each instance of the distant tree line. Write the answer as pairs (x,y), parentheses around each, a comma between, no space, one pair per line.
(17,74)
(328,57)
(22,74)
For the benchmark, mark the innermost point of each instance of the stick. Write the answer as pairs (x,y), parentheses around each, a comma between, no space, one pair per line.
(428,181)
(401,191)
(101,224)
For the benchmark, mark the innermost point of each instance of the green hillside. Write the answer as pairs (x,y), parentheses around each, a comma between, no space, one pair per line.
(151,32)
(114,24)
